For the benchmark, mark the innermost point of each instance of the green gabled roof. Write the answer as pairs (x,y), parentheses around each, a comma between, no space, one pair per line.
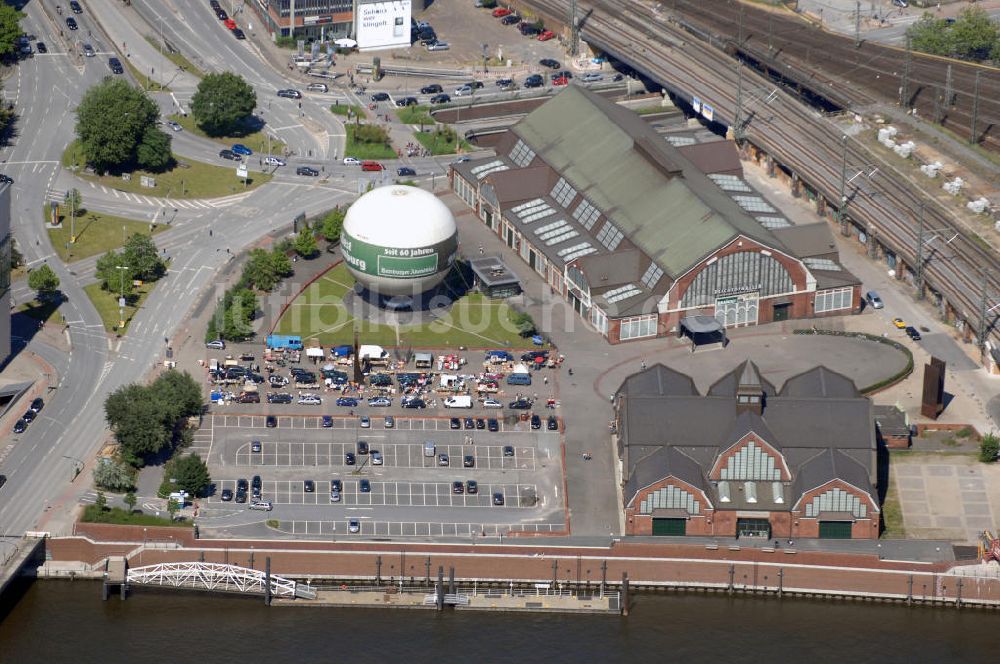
(664,205)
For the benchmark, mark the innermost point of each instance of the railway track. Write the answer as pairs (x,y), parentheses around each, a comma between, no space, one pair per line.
(788,43)
(806,141)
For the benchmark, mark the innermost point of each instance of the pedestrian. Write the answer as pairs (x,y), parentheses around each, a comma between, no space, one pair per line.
(545,380)
(209,232)
(642,365)
(227,250)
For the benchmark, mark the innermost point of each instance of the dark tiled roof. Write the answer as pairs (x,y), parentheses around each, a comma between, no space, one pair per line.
(660,462)
(714,157)
(819,382)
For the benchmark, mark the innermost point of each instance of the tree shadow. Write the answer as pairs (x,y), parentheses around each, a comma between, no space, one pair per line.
(249,126)
(25,324)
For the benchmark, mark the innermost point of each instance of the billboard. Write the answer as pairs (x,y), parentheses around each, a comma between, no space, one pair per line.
(382,24)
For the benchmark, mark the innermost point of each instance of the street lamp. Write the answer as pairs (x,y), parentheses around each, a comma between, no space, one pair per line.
(121,302)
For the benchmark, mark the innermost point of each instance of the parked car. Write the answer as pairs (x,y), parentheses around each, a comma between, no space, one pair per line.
(364,486)
(75,7)
(376,457)
(498,499)
(256,486)
(229,23)
(352,161)
(369,165)
(309,486)
(347,402)
(493,425)
(472,487)
(414,403)
(271,422)
(88,50)
(318,87)
(279,397)
(114,64)
(440,99)
(20,426)
(500,12)
(438,46)
(480,423)
(534,81)
(334,495)
(404,171)
(227,495)
(591,77)
(255,447)
(912,333)
(37,404)
(443,460)
(550,63)
(552,424)
(536,422)
(239,34)
(559,80)
(529,30)
(248,397)
(456,423)
(511,19)
(519,404)
(217,344)
(42,48)
(349,459)
(505,83)
(230,155)
(362,448)
(457,487)
(274,161)
(390,422)
(508,450)
(289,93)
(353,526)
(431,89)
(242,487)
(365,422)
(899,322)
(469,423)
(469,461)
(29,416)
(263,505)
(71,23)
(241,149)
(327,421)
(874,300)
(463,91)
(492,403)
(380,402)
(546,35)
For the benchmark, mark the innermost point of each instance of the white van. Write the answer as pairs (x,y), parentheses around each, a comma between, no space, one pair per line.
(429,448)
(460,401)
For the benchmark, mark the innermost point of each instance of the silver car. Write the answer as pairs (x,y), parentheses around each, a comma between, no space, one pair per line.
(88,50)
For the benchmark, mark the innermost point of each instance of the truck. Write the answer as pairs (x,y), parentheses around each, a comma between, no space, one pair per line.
(458,401)
(374,354)
(284,341)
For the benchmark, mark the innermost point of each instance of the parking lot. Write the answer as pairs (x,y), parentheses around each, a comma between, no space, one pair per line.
(517,476)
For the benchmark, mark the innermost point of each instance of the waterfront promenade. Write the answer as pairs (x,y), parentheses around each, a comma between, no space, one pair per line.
(647,565)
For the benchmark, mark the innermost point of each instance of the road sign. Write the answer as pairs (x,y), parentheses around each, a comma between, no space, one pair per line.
(147,181)
(241,171)
(121,303)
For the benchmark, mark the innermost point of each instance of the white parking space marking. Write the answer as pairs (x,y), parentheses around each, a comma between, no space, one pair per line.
(347,422)
(372,527)
(395,455)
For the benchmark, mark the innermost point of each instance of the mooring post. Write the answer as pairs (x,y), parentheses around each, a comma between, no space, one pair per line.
(451,580)
(624,593)
(604,575)
(781,581)
(267,581)
(555,572)
(958,597)
(440,588)
(104,588)
(378,570)
(427,564)
(732,574)
(909,592)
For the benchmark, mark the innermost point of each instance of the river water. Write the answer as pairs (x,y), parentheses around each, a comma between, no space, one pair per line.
(64,621)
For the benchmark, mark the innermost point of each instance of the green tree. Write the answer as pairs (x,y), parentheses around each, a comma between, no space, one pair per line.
(143,434)
(117,405)
(930,35)
(10,28)
(113,475)
(178,392)
(973,34)
(43,280)
(281,264)
(333,224)
(130,500)
(142,257)
(524,323)
(989,447)
(259,271)
(172,507)
(16,257)
(101,501)
(222,103)
(371,134)
(191,474)
(74,201)
(112,279)
(153,152)
(111,120)
(305,243)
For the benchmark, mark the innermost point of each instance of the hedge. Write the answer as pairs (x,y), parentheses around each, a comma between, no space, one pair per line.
(882,384)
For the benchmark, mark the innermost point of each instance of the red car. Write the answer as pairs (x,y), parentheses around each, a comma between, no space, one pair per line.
(229,23)
(546,35)
(560,80)
(371,166)
(502,11)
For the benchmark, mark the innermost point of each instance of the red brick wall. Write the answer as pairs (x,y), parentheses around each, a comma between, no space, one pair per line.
(866,528)
(642,524)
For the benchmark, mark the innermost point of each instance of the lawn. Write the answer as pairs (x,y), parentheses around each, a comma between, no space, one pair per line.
(892,515)
(96,233)
(177,58)
(474,321)
(415,115)
(342,109)
(144,81)
(106,304)
(43,312)
(366,150)
(442,142)
(187,179)
(255,139)
(94,514)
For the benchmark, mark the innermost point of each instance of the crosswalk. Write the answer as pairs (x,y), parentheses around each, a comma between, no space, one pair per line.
(56,195)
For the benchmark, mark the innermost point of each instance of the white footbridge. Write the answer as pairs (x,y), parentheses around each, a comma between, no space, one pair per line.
(218,578)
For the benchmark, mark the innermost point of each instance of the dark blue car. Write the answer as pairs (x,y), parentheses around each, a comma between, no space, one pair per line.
(239,148)
(347,402)
(327,421)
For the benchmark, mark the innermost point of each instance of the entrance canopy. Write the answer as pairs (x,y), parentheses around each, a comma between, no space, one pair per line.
(703,331)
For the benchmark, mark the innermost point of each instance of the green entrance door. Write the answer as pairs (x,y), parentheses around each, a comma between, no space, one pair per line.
(670,526)
(781,311)
(835,529)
